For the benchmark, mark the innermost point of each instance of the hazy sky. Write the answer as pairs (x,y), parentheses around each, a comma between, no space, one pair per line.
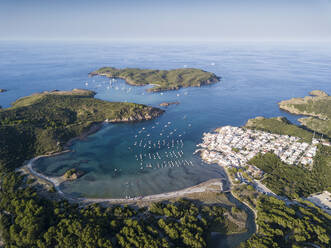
(224,20)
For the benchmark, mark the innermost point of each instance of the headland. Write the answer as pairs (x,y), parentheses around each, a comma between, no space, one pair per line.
(316,106)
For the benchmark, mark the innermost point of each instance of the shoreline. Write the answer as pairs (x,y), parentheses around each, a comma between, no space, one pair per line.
(235,196)
(53,181)
(95,127)
(211,185)
(231,184)
(230,190)
(153,89)
(247,205)
(199,188)
(57,181)
(216,185)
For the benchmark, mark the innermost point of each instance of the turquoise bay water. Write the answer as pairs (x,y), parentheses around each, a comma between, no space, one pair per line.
(254,78)
(137,159)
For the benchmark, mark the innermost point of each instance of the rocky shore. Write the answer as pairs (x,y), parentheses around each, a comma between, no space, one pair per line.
(307,104)
(73,174)
(162,80)
(316,107)
(166,104)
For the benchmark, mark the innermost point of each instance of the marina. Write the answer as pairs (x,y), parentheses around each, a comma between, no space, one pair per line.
(133,161)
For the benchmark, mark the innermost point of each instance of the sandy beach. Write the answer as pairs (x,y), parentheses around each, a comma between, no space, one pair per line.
(213,185)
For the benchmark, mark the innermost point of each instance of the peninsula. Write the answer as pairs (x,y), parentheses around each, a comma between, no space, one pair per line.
(317,107)
(45,122)
(162,80)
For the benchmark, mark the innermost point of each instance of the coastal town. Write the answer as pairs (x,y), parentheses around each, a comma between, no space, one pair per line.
(235,146)
(165,124)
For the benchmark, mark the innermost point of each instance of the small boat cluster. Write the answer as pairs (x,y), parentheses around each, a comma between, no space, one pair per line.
(159,146)
(108,85)
(115,84)
(153,146)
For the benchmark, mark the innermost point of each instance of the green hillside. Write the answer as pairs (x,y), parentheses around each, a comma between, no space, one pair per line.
(161,79)
(44,122)
(317,106)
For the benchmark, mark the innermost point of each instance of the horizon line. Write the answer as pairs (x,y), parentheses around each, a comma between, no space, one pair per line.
(166,40)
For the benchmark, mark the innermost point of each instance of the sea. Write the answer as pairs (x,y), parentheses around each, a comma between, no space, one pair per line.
(157,156)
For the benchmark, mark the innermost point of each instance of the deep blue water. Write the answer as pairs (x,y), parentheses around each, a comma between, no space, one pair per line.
(255,77)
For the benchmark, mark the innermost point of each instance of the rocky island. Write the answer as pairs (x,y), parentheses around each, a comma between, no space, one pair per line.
(73,174)
(2,90)
(161,79)
(317,107)
(166,104)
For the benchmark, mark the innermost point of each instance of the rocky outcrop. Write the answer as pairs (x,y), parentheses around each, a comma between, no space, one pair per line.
(251,122)
(166,104)
(318,93)
(73,174)
(308,105)
(260,121)
(283,119)
(295,111)
(316,106)
(2,90)
(149,115)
